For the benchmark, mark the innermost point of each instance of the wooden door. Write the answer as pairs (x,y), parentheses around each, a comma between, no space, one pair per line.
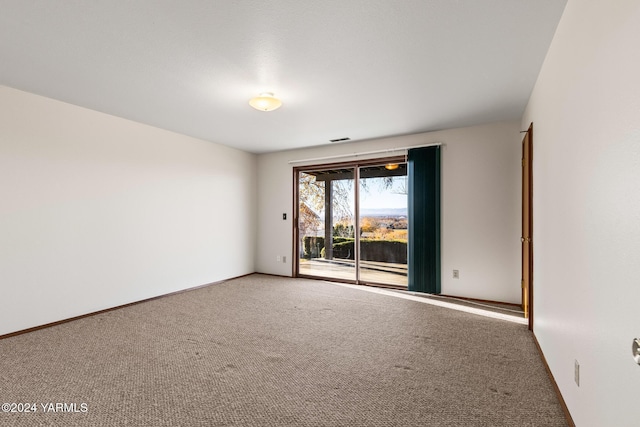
(527,227)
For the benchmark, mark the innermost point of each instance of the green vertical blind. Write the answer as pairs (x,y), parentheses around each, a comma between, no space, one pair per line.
(424,219)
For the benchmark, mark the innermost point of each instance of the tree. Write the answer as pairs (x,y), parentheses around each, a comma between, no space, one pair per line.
(311,192)
(369,225)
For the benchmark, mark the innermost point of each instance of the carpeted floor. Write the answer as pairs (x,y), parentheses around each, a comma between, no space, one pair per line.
(267,351)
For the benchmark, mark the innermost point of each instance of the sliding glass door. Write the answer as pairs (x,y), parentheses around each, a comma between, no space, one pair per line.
(383,224)
(326,219)
(351,232)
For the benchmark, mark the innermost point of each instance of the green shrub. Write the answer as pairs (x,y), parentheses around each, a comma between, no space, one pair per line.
(312,246)
(342,239)
(393,251)
(344,249)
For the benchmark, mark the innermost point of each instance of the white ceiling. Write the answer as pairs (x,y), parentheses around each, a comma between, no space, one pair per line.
(349,68)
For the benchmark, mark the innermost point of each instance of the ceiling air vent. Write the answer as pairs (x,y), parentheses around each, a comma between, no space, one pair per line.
(340,140)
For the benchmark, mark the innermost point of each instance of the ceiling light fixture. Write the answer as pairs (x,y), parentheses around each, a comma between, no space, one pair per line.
(265,102)
(391,166)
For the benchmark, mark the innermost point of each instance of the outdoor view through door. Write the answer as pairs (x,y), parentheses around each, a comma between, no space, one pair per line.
(352,222)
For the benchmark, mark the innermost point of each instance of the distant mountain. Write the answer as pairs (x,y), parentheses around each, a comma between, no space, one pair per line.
(384,212)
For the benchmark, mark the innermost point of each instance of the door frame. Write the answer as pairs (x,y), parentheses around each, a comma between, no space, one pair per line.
(356,164)
(527,225)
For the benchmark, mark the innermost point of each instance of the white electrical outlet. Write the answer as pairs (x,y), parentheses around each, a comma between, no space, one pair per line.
(456,274)
(278,258)
(576,373)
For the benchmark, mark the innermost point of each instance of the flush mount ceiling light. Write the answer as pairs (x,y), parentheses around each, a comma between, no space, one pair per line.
(391,166)
(265,102)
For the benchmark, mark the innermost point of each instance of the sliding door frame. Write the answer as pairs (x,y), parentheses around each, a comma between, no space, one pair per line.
(356,165)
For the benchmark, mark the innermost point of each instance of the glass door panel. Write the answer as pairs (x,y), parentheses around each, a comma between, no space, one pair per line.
(326,223)
(383,209)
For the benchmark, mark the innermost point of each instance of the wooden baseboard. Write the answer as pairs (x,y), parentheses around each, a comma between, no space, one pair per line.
(565,409)
(70,319)
(481,300)
(273,275)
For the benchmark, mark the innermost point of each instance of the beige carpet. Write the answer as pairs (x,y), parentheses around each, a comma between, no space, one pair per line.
(267,351)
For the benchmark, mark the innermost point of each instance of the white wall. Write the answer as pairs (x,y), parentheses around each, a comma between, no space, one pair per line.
(98,211)
(586,113)
(480,206)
